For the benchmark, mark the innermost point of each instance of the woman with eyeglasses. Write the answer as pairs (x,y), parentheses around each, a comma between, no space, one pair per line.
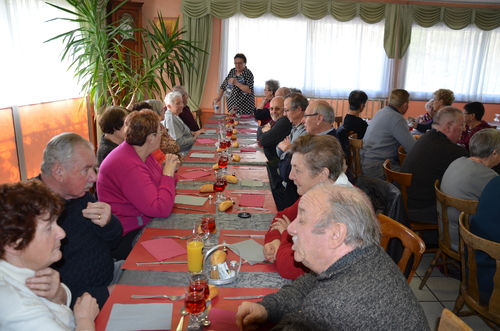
(177,128)
(474,112)
(131,181)
(242,97)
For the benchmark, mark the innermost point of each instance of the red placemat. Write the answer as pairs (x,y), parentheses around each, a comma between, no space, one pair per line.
(251,200)
(140,254)
(122,295)
(210,208)
(242,172)
(232,256)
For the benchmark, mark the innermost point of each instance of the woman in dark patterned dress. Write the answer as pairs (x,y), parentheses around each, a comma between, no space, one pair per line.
(242,97)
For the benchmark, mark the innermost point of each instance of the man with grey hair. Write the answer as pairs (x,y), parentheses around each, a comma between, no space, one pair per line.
(282,92)
(428,160)
(295,106)
(474,173)
(92,231)
(186,115)
(387,130)
(353,283)
(317,119)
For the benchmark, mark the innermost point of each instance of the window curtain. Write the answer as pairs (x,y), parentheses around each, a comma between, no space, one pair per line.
(31,69)
(398,17)
(200,31)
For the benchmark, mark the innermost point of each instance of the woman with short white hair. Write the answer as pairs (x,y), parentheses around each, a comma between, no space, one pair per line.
(176,127)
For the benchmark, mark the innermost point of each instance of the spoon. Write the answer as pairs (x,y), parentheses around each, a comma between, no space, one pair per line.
(205,321)
(210,197)
(181,322)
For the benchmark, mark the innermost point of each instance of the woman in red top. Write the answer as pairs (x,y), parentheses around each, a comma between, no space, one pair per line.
(315,160)
(474,112)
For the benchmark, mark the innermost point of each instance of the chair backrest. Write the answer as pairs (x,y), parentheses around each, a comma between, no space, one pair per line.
(451,322)
(338,121)
(469,289)
(401,155)
(355,146)
(444,201)
(403,179)
(413,244)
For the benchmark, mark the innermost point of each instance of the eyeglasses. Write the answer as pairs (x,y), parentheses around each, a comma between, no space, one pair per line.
(289,110)
(275,108)
(314,114)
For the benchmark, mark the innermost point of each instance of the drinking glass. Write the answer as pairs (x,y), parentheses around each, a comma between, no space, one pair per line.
(497,118)
(195,304)
(219,186)
(223,159)
(195,253)
(198,281)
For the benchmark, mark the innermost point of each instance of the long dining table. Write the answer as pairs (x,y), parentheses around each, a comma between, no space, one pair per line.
(253,279)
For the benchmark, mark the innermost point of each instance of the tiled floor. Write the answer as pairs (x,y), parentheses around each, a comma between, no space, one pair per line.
(439,292)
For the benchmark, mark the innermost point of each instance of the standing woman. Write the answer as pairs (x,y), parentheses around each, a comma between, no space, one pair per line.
(242,95)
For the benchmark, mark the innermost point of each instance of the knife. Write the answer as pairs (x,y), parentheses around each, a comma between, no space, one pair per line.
(245,235)
(196,179)
(186,208)
(245,297)
(161,262)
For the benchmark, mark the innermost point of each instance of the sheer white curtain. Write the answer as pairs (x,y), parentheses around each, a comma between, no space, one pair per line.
(323,58)
(31,69)
(465,61)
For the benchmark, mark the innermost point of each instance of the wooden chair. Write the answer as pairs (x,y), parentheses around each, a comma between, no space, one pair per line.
(444,242)
(355,146)
(401,155)
(197,117)
(413,244)
(338,121)
(404,180)
(469,291)
(451,322)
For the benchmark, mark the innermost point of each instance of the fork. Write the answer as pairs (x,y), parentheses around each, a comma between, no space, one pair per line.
(178,237)
(171,297)
(199,169)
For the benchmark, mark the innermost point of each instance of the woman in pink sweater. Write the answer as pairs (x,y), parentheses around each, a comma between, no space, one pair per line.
(315,160)
(131,181)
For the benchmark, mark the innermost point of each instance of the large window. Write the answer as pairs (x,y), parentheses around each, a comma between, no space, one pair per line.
(323,58)
(31,69)
(465,61)
(327,58)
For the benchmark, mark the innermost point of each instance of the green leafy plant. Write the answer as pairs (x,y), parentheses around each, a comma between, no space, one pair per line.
(109,72)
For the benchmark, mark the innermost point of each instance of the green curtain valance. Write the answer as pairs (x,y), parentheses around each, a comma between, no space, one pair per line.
(370,12)
(455,17)
(398,17)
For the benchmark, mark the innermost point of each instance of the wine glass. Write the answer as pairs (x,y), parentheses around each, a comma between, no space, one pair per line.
(219,186)
(207,226)
(199,281)
(223,160)
(497,118)
(195,304)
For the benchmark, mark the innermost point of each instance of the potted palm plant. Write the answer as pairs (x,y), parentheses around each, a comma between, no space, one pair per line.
(103,65)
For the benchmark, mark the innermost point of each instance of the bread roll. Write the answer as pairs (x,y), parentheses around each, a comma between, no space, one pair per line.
(207,188)
(236,158)
(225,205)
(231,179)
(218,257)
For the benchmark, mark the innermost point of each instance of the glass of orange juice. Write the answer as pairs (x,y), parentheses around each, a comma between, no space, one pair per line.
(195,254)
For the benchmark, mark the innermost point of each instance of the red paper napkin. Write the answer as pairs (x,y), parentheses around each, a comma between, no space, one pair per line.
(205,141)
(252,200)
(246,116)
(195,174)
(247,131)
(248,150)
(164,248)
